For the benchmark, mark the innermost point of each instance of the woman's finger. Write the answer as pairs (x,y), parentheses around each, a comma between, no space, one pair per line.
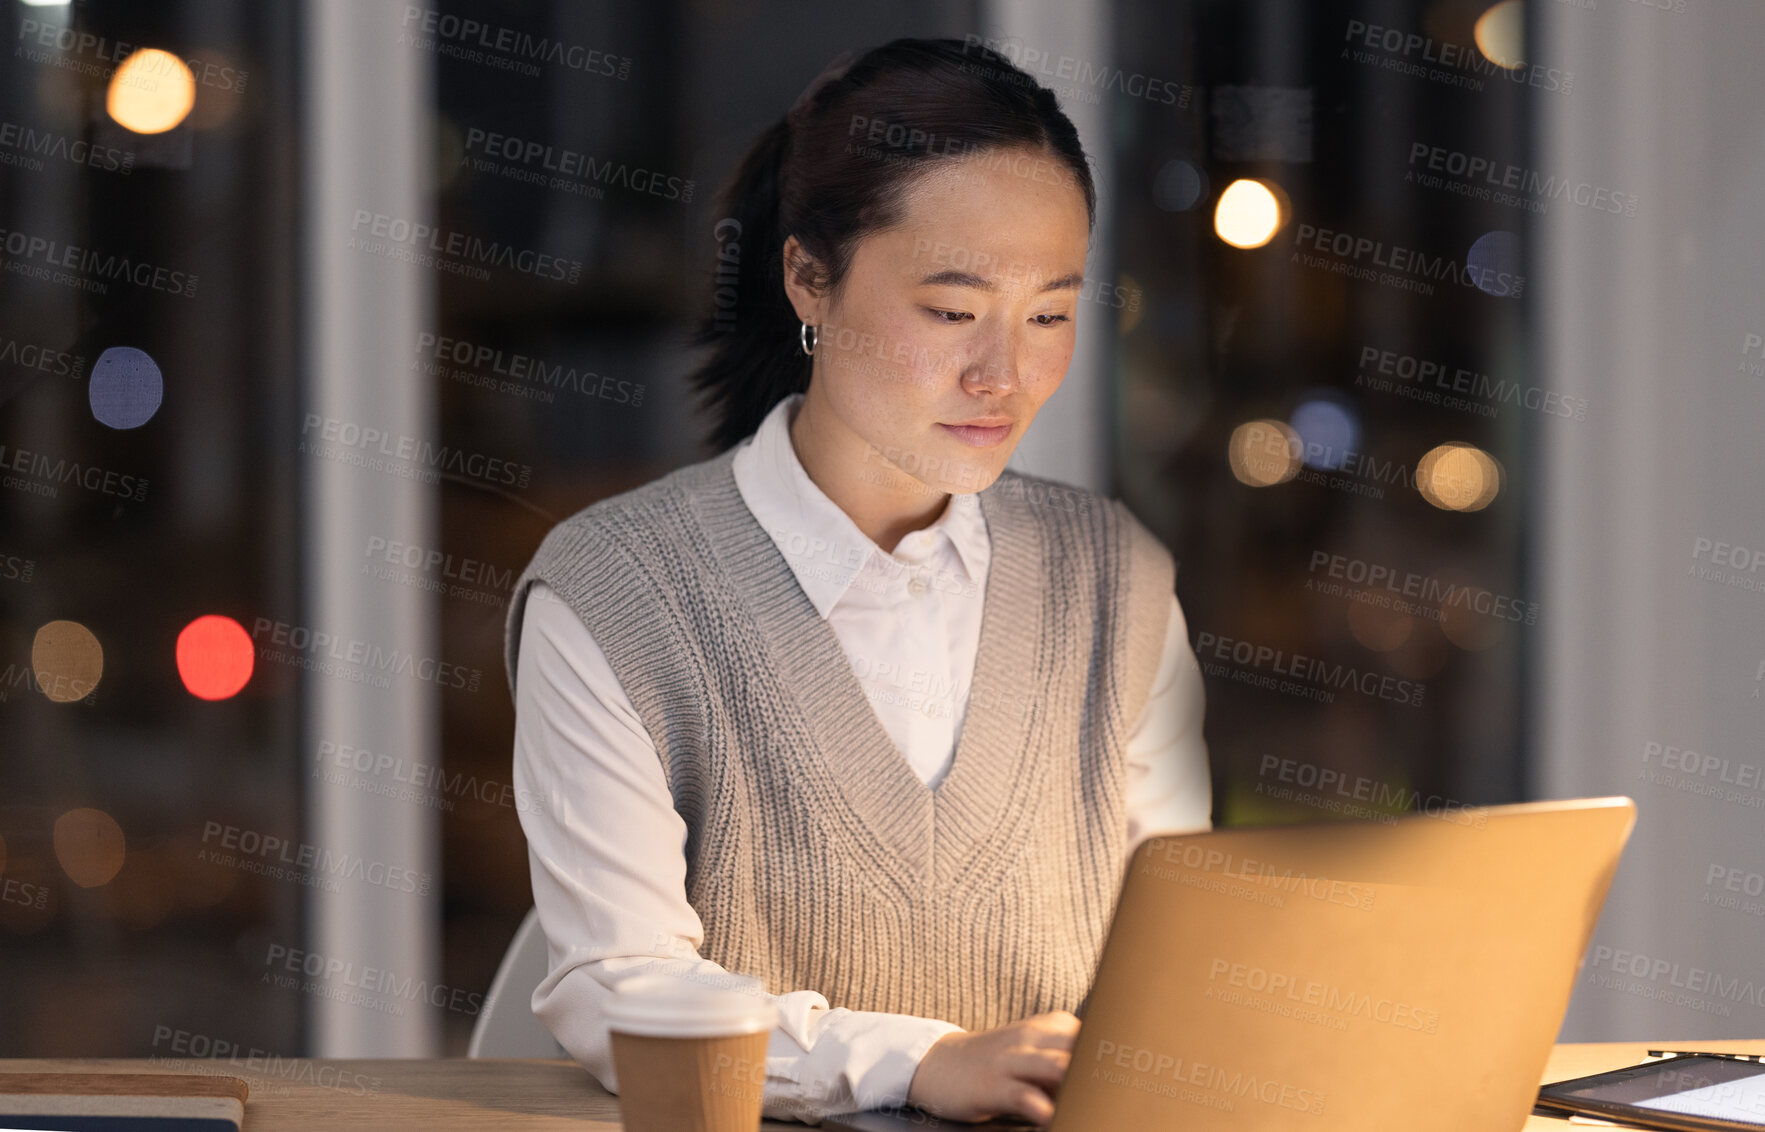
(1043,1067)
(1028,1102)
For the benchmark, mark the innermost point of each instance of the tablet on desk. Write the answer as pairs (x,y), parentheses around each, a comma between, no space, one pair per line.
(1684,1094)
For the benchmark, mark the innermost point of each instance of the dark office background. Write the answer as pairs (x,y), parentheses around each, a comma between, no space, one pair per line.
(1365,619)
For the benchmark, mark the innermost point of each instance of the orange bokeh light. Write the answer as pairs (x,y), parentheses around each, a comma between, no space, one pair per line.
(89,845)
(215,657)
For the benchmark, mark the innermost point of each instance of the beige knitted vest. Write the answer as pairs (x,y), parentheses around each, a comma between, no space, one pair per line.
(816,858)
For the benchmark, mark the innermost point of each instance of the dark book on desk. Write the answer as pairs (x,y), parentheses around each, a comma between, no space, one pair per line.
(122,1102)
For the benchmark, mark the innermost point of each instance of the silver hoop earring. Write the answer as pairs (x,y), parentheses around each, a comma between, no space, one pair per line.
(804,339)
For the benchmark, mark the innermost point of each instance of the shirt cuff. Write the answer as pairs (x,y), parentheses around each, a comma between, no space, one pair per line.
(881,1053)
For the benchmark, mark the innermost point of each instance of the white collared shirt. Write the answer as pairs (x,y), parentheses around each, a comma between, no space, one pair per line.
(606,847)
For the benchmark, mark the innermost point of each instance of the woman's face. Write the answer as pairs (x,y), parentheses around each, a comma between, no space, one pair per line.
(953,327)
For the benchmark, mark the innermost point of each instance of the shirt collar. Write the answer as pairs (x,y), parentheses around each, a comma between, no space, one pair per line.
(824,547)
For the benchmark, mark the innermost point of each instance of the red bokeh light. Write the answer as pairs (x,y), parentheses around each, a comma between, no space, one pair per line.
(215,657)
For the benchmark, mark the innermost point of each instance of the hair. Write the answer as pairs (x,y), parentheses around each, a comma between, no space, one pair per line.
(836,168)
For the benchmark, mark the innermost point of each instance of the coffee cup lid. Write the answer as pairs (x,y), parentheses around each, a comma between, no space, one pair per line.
(669,1006)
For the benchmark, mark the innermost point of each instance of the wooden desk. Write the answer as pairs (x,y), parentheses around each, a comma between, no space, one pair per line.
(305,1095)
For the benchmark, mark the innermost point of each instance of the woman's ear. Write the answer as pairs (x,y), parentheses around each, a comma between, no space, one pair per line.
(800,282)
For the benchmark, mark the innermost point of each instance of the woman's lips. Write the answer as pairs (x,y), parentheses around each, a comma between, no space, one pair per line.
(976,437)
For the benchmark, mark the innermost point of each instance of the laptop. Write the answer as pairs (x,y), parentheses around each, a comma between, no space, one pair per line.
(1335,977)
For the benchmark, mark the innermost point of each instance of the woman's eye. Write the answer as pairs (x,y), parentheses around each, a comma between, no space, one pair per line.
(1055,318)
(950,316)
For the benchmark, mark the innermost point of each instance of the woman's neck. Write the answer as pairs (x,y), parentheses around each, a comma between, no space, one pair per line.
(885,503)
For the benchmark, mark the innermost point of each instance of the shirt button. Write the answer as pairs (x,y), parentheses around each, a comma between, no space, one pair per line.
(916,587)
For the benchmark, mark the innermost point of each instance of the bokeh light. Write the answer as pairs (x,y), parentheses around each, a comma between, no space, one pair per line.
(1179,186)
(68,661)
(1501,34)
(215,657)
(1423,654)
(126,388)
(1263,453)
(1377,627)
(89,846)
(1494,260)
(1458,477)
(150,92)
(1328,428)
(1248,214)
(1469,629)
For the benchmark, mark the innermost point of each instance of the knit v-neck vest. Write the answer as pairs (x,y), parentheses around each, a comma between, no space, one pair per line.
(815,857)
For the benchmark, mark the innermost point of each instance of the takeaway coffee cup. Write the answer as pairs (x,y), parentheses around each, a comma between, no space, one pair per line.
(690,1056)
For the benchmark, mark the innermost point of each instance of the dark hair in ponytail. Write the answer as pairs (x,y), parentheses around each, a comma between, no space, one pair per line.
(834,169)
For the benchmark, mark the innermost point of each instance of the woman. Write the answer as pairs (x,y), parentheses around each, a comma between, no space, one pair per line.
(850,707)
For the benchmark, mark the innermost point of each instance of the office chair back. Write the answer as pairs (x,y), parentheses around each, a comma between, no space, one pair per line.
(506,1026)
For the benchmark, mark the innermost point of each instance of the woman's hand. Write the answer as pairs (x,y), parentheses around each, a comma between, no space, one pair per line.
(1014,1070)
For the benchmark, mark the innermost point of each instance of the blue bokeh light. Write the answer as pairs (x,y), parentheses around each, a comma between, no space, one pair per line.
(126,388)
(1494,261)
(1328,427)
